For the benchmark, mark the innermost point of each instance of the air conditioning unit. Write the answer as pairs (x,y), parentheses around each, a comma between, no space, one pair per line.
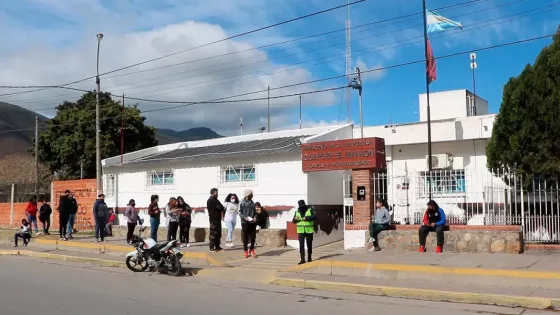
(440,161)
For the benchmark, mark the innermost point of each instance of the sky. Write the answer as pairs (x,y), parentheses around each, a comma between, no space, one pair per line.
(53,42)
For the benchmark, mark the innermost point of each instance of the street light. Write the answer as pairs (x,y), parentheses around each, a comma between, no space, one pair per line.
(99,182)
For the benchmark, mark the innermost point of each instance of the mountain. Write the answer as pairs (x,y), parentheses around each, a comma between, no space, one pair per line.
(166,136)
(13,117)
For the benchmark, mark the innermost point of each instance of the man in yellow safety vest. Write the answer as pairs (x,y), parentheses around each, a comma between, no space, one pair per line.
(305,221)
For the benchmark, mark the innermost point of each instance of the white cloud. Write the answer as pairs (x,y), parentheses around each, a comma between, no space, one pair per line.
(210,79)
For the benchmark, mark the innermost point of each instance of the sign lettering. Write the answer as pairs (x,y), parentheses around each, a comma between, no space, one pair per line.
(343,155)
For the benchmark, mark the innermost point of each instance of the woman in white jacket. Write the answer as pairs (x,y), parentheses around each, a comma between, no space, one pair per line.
(230,217)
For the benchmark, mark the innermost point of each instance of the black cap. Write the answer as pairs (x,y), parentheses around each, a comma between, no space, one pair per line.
(100,195)
(67,191)
(301,204)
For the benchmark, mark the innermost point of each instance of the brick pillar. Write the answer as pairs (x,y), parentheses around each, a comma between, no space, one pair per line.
(363,210)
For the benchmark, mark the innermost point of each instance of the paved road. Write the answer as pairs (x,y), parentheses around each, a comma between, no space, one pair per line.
(34,286)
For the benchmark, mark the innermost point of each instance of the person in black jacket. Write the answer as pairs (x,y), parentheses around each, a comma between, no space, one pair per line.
(72,216)
(64,208)
(45,216)
(215,212)
(100,213)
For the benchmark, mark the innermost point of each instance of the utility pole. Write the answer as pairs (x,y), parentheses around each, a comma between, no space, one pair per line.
(428,114)
(300,111)
(473,67)
(122,130)
(268,108)
(82,168)
(36,156)
(98,177)
(241,124)
(356,84)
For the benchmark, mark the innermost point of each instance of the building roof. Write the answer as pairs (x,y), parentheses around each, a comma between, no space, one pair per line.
(267,142)
(225,151)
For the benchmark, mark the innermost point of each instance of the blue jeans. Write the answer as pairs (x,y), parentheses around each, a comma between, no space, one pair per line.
(70,226)
(33,222)
(154,225)
(230,227)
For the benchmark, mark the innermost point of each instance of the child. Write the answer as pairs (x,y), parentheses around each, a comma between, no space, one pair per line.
(24,233)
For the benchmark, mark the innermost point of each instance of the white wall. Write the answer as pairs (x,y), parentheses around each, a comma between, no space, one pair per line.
(450,104)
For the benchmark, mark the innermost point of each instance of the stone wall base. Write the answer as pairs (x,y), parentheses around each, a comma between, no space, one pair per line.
(267,237)
(460,240)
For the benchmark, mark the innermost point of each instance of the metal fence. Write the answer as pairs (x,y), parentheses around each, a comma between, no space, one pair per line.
(23,191)
(472,197)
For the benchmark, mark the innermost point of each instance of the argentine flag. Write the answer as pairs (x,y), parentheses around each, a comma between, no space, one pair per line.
(437,23)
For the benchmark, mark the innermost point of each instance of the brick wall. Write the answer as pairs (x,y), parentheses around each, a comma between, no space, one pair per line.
(363,209)
(85,192)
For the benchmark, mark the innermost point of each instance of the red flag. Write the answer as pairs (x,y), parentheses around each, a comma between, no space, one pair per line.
(431,64)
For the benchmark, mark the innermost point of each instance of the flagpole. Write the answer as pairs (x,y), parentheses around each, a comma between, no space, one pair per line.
(428,101)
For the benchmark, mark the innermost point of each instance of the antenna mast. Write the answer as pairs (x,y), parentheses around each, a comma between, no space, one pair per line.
(349,71)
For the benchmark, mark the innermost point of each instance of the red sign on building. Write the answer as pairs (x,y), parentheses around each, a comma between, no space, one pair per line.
(352,154)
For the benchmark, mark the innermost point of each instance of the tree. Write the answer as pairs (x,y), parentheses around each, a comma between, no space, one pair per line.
(526,135)
(70,135)
(20,168)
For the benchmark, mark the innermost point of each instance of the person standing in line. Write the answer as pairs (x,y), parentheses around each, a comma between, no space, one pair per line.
(31,213)
(154,212)
(230,216)
(110,222)
(45,216)
(72,216)
(64,207)
(24,233)
(215,211)
(380,222)
(100,213)
(131,215)
(304,219)
(172,215)
(184,221)
(248,216)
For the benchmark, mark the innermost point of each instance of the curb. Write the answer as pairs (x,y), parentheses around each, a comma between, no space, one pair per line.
(422,294)
(94,261)
(427,269)
(103,248)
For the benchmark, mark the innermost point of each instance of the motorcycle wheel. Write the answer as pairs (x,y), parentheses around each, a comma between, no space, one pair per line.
(133,265)
(176,268)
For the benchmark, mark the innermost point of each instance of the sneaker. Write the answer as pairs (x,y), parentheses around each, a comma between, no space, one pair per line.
(64,239)
(24,245)
(371,240)
(253,253)
(422,249)
(219,249)
(70,237)
(97,240)
(15,246)
(188,245)
(246,254)
(212,249)
(439,249)
(38,233)
(301,262)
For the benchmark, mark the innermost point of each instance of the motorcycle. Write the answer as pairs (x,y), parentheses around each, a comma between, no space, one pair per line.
(163,257)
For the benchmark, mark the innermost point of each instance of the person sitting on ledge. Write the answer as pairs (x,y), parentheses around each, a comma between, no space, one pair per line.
(434,221)
(380,222)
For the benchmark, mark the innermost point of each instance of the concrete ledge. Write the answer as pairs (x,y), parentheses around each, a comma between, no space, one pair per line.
(102,248)
(77,259)
(427,295)
(514,278)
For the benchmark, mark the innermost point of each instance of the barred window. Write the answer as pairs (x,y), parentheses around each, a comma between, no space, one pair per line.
(110,185)
(238,174)
(444,182)
(160,178)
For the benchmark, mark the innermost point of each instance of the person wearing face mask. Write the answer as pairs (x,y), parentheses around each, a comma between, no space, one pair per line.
(230,216)
(131,215)
(304,219)
(215,211)
(248,216)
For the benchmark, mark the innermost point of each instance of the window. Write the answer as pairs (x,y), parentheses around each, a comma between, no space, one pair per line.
(444,182)
(109,185)
(160,178)
(238,174)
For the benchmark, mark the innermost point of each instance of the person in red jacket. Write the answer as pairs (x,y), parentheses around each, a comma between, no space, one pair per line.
(434,221)
(110,222)
(31,212)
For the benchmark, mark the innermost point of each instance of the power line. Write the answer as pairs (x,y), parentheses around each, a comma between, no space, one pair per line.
(405,40)
(223,100)
(253,31)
